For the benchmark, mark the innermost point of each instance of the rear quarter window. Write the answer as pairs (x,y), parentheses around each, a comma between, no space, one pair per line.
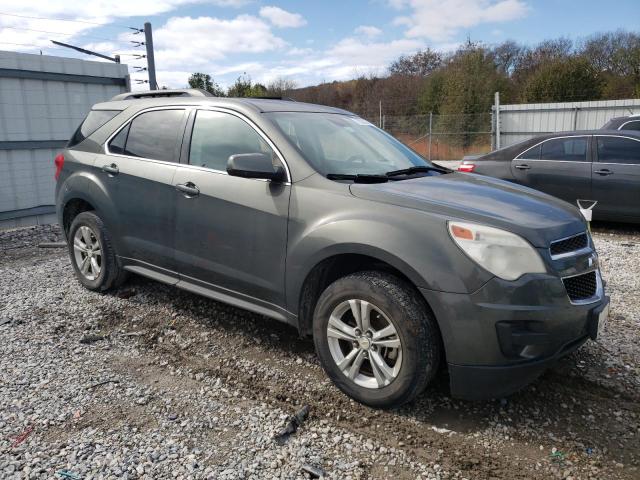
(94,120)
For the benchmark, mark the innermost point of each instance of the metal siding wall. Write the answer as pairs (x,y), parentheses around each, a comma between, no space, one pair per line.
(33,109)
(521,122)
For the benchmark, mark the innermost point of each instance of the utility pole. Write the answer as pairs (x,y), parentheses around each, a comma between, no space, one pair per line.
(151,62)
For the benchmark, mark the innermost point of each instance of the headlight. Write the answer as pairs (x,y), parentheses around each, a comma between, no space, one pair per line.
(502,253)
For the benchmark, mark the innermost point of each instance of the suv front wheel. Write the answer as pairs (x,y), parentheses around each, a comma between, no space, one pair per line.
(92,254)
(376,338)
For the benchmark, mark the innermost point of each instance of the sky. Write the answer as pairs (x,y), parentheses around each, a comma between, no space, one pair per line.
(307,41)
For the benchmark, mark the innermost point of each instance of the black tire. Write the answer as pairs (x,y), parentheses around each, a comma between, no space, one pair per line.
(111,273)
(415,325)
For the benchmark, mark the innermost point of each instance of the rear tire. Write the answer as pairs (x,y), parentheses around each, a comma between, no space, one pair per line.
(387,359)
(92,254)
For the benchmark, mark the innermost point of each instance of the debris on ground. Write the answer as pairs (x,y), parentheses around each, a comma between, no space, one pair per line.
(68,474)
(99,384)
(293,424)
(314,472)
(22,437)
(91,338)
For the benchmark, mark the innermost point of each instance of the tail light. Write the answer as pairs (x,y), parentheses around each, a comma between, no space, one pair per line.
(59,163)
(466,167)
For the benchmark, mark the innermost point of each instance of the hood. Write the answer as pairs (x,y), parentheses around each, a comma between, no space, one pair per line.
(536,216)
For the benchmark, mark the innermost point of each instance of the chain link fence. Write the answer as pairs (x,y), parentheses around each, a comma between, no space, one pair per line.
(441,137)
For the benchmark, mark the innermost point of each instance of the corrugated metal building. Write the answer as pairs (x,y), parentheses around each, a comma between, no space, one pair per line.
(523,121)
(43,99)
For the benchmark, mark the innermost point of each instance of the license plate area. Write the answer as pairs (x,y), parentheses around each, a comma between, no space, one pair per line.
(599,318)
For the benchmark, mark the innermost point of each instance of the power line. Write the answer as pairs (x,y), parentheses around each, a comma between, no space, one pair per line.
(61,33)
(114,25)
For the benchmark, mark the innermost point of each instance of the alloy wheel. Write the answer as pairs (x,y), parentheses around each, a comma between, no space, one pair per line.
(364,343)
(87,252)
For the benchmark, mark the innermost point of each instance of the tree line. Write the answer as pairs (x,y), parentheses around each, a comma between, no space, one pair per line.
(458,87)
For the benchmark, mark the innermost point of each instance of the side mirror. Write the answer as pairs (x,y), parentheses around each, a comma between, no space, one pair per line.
(255,165)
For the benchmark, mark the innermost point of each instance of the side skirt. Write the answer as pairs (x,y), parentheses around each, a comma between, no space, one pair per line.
(246,303)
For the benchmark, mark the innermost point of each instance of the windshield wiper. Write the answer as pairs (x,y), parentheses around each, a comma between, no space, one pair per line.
(417,169)
(358,178)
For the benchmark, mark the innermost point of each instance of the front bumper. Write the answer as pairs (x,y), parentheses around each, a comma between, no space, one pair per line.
(501,337)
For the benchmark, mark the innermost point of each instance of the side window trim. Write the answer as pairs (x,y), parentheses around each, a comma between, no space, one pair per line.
(597,155)
(185,109)
(587,155)
(189,132)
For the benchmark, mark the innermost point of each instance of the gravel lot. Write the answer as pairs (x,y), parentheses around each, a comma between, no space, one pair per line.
(197,389)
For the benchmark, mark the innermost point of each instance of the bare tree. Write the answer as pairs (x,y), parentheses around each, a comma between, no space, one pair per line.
(421,63)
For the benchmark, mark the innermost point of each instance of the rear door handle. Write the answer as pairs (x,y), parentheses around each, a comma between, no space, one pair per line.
(111,169)
(604,172)
(189,189)
(523,166)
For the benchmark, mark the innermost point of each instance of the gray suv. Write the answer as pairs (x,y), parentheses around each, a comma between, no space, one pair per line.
(313,216)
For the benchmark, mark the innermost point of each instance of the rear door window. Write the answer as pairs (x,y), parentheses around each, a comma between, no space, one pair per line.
(532,154)
(155,135)
(93,122)
(569,149)
(633,125)
(618,150)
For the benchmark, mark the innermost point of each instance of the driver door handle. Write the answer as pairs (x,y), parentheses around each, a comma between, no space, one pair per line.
(189,189)
(110,169)
(604,172)
(523,166)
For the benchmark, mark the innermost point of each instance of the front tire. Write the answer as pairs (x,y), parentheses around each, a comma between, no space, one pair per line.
(92,254)
(376,338)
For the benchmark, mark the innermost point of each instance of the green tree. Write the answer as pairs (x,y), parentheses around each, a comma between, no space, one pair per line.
(244,87)
(468,83)
(573,79)
(203,81)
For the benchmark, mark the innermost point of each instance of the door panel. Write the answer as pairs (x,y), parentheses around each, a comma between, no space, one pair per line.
(233,233)
(616,178)
(143,195)
(562,168)
(138,177)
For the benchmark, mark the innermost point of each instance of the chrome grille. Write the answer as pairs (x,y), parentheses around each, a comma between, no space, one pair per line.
(568,245)
(581,287)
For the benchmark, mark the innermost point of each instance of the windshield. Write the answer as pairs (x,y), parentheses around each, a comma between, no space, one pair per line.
(344,144)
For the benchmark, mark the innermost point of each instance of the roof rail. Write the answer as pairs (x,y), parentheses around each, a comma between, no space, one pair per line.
(184,92)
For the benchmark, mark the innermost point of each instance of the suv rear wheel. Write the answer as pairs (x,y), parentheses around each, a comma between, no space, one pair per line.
(92,254)
(376,338)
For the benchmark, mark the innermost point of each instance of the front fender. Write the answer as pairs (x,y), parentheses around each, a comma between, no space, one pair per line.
(414,243)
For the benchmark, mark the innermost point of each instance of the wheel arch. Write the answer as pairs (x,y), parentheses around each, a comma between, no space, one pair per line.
(337,262)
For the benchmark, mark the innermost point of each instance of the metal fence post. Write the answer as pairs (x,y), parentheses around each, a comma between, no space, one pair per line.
(380,121)
(497,117)
(430,125)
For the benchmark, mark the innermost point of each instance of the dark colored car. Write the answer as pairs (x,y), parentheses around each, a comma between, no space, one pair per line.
(600,166)
(313,216)
(630,122)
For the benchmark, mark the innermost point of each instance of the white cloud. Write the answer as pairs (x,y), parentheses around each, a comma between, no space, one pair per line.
(198,41)
(368,31)
(21,30)
(281,18)
(441,19)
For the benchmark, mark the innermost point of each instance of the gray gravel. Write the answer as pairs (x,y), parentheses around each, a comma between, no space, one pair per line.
(152,382)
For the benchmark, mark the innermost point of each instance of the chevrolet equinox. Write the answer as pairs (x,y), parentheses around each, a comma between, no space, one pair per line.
(315,217)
